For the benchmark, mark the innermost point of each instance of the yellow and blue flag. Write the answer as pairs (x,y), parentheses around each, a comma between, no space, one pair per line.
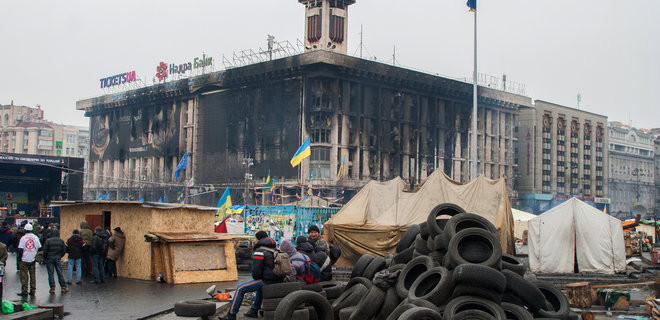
(342,168)
(303,152)
(224,202)
(472,4)
(181,194)
(183,164)
(269,181)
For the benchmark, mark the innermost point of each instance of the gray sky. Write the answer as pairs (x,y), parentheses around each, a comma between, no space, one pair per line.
(53,53)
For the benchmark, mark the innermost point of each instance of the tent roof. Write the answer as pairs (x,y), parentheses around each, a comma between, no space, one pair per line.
(519,215)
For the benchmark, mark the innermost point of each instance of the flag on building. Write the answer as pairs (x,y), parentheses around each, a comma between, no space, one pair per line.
(181,194)
(303,152)
(106,196)
(160,199)
(183,164)
(342,168)
(224,203)
(269,181)
(100,197)
(142,199)
(472,4)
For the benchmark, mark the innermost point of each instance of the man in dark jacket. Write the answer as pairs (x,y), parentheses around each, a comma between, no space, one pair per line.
(54,250)
(262,273)
(20,232)
(86,234)
(99,250)
(6,236)
(317,256)
(319,243)
(75,247)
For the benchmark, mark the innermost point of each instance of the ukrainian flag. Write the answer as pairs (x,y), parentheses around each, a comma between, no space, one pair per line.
(303,152)
(269,181)
(472,4)
(223,203)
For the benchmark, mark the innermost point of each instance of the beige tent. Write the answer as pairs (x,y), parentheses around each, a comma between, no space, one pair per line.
(374,220)
(574,231)
(520,219)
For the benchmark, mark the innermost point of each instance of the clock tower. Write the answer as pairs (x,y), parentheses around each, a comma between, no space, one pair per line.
(326,25)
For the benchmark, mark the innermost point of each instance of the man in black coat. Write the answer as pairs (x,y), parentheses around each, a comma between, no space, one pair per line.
(54,249)
(316,255)
(76,248)
(262,273)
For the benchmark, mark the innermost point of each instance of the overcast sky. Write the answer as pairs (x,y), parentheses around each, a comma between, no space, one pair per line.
(53,53)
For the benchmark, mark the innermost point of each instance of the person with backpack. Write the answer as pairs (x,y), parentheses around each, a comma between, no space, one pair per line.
(317,256)
(99,251)
(263,267)
(297,261)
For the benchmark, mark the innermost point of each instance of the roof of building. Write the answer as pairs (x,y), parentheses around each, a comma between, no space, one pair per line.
(145,204)
(29,124)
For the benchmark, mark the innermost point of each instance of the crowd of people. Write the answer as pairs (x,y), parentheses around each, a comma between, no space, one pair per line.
(89,252)
(312,249)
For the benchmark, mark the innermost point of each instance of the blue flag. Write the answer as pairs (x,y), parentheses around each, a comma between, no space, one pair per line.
(142,199)
(183,164)
(160,199)
(106,196)
(472,4)
(100,197)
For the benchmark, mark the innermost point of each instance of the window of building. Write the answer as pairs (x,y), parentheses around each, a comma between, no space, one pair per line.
(45,133)
(70,138)
(320,136)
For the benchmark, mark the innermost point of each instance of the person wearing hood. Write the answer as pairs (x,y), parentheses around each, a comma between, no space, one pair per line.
(297,262)
(115,248)
(316,255)
(263,263)
(54,250)
(75,247)
(6,235)
(86,234)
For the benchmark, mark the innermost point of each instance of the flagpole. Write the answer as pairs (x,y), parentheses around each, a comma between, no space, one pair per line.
(474,103)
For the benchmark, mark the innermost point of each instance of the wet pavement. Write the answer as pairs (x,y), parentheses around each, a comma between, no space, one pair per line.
(118,298)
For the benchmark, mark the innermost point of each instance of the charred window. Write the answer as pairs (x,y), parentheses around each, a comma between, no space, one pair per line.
(320,162)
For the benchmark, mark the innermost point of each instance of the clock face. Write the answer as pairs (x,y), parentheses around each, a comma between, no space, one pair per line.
(100,134)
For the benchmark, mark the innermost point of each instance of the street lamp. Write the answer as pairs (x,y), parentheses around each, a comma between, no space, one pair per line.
(247,162)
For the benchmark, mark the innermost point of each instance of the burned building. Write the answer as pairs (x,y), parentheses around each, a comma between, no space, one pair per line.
(387,121)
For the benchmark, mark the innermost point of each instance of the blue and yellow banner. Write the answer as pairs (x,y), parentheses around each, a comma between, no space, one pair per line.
(472,4)
(303,152)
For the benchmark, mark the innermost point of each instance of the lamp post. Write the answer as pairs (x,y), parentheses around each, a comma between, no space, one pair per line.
(247,162)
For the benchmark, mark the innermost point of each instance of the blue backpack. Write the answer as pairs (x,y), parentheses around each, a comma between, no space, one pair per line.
(312,271)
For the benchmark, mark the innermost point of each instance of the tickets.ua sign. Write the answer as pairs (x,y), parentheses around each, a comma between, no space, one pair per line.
(118,79)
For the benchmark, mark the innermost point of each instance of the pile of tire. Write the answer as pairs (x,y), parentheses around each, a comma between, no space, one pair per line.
(291,300)
(448,267)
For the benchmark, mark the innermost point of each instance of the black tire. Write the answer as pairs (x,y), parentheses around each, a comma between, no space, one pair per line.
(269,315)
(407,238)
(350,297)
(404,256)
(364,281)
(409,274)
(434,285)
(333,289)
(400,309)
(388,262)
(509,297)
(477,291)
(425,304)
(479,275)
(289,303)
(420,313)
(361,264)
(449,209)
(556,299)
(516,312)
(473,315)
(389,304)
(396,267)
(424,229)
(194,308)
(270,304)
(463,303)
(345,314)
(430,243)
(377,264)
(369,306)
(512,263)
(440,242)
(301,314)
(437,256)
(524,293)
(476,246)
(279,290)
(315,287)
(420,245)
(464,221)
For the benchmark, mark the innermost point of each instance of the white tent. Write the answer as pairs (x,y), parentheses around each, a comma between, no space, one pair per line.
(520,219)
(576,229)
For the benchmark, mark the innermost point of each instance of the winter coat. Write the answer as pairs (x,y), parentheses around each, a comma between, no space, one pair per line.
(6,236)
(85,232)
(75,246)
(54,248)
(20,232)
(3,253)
(263,262)
(100,244)
(298,267)
(318,256)
(116,245)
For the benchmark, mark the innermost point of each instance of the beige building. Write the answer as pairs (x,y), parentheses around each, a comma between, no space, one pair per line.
(23,130)
(561,154)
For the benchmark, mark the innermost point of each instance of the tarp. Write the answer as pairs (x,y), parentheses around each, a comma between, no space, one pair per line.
(576,229)
(520,219)
(378,215)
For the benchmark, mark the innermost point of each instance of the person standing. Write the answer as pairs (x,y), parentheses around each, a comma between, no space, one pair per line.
(86,234)
(75,247)
(28,247)
(99,251)
(6,236)
(54,250)
(115,248)
(3,259)
(263,263)
(20,232)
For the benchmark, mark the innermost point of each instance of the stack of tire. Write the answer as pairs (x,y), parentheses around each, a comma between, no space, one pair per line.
(243,257)
(291,300)
(451,267)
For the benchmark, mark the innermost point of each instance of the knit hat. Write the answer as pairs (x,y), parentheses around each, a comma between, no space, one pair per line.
(313,228)
(28,227)
(301,239)
(76,231)
(118,229)
(261,234)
